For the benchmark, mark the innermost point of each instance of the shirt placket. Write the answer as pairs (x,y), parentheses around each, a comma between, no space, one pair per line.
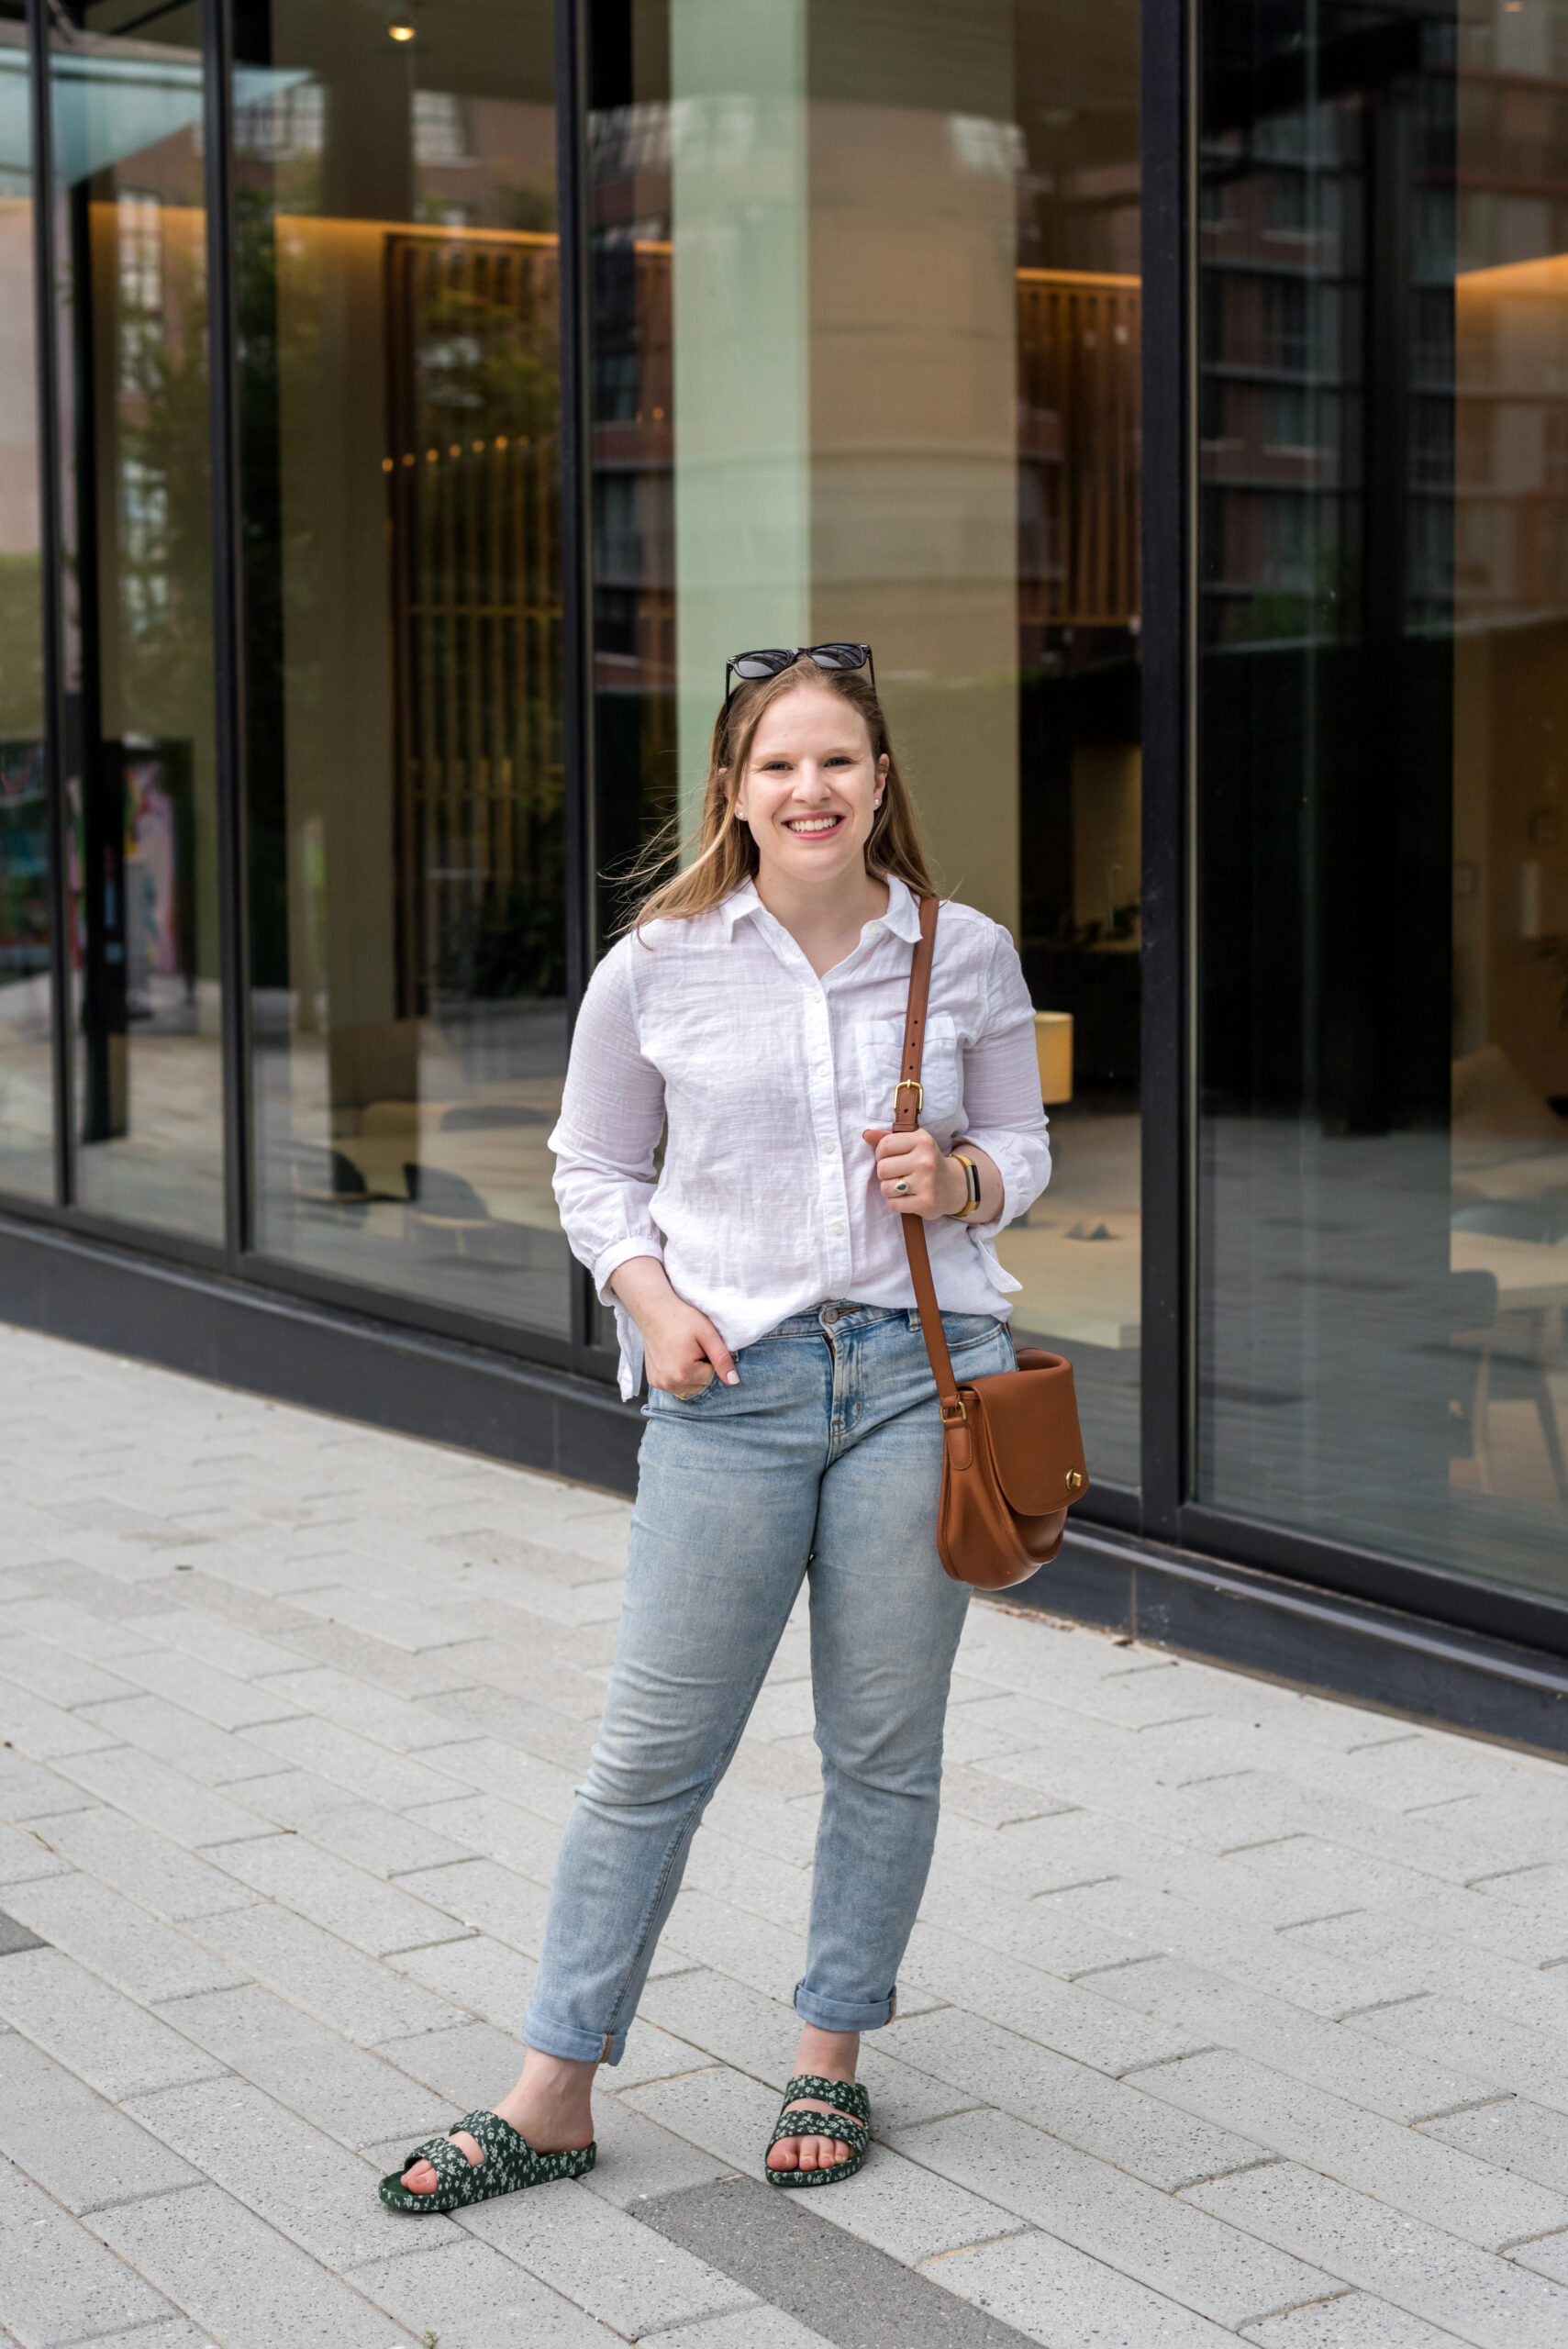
(832,1187)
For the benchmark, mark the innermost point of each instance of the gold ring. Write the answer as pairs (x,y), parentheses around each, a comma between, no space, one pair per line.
(901,1189)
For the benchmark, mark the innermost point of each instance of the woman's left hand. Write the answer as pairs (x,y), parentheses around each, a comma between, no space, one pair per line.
(935,1185)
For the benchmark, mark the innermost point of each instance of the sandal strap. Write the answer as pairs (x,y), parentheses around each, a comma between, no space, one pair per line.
(450,2163)
(493,2135)
(841,2127)
(844,2096)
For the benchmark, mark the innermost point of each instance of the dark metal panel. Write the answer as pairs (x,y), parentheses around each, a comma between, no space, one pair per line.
(1279,1630)
(353,1366)
(1166,617)
(227,686)
(576,608)
(1537,1621)
(50,541)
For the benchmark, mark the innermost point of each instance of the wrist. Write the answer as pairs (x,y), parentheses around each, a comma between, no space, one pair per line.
(955,1185)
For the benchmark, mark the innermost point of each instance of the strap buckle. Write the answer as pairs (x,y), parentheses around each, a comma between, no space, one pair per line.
(915,1087)
(953,1413)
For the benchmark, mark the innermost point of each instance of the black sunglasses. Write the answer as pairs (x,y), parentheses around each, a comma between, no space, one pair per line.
(772,661)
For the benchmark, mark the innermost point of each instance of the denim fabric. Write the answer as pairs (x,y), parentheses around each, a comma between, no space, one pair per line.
(824,1462)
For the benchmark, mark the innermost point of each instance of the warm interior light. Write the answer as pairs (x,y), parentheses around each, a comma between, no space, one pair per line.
(400,29)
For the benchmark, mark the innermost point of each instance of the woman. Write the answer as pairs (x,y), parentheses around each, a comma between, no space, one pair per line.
(756,1011)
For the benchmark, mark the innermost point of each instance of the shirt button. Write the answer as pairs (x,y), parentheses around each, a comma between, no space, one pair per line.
(837,1229)
(830,1149)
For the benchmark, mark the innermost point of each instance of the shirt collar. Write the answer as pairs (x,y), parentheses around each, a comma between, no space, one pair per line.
(902,914)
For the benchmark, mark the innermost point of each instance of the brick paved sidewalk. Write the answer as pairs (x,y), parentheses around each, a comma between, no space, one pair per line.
(1232,2013)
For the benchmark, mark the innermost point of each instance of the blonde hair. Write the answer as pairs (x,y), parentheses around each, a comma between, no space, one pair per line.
(725,854)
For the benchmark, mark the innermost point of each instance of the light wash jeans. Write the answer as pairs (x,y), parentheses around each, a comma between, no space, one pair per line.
(824,1462)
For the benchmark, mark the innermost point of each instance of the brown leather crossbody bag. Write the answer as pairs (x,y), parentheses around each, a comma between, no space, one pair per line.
(1012,1449)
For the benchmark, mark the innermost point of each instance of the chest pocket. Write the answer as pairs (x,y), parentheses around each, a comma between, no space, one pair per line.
(881,1047)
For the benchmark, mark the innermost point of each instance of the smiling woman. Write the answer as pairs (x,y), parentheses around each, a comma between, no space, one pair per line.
(794,1434)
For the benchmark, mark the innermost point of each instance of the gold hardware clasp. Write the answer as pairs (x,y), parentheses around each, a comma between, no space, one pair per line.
(915,1088)
(953,1412)
(1074,1480)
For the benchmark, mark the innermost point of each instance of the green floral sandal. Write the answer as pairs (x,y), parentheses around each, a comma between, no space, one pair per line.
(852,2127)
(509,2163)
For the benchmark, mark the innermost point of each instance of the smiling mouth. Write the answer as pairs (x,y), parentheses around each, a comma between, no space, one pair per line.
(812,827)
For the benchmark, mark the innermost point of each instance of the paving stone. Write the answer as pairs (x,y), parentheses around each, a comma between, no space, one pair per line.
(358,1908)
(58,2284)
(44,1732)
(1547,2257)
(469,2294)
(148,1868)
(116,1940)
(26,1854)
(232,1647)
(602,2260)
(164,1798)
(1484,2299)
(437,1671)
(105,2040)
(1055,2294)
(178,2334)
(349,2094)
(526,1724)
(27,1791)
(519,1839)
(342,1987)
(232,2272)
(1082,2023)
(469,2065)
(205,1689)
(98,1638)
(477,1892)
(266,2156)
(638,2158)
(186,1743)
(1515,2135)
(1353,2321)
(753,2327)
(387,1843)
(1492,2047)
(1336,2057)
(1118,2122)
(365,1769)
(506,1771)
(1213,2269)
(32,1664)
(375,1713)
(496,1982)
(72,2142)
(1396,2165)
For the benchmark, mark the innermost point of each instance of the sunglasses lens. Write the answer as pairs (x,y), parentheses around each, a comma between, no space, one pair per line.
(759,664)
(839,656)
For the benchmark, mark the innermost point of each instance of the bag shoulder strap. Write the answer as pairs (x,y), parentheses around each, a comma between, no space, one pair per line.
(907,1102)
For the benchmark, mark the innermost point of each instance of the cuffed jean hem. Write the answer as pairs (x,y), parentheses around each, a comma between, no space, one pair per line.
(571,2043)
(837,2014)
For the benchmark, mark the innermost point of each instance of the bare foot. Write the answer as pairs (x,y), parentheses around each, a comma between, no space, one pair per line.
(830,2055)
(550,2106)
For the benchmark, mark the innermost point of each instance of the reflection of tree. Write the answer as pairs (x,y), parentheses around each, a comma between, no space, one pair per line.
(261,574)
(163,504)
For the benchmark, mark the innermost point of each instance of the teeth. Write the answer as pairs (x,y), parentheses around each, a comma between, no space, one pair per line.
(812,823)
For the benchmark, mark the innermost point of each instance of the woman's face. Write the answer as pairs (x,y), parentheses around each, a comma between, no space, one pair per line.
(811,788)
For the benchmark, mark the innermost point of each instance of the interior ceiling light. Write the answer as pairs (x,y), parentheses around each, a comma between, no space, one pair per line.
(401,27)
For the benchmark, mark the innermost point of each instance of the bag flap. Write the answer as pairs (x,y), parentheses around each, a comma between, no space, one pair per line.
(1032,1421)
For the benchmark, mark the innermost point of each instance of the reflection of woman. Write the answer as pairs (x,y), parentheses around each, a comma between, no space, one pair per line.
(792,1428)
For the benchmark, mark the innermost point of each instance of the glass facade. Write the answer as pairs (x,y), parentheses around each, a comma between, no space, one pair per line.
(864,363)
(403,415)
(1382,624)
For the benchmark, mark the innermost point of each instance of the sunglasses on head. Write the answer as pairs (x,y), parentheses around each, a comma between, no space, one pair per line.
(772,661)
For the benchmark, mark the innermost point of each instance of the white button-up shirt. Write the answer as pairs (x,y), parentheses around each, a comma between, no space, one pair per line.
(767,1201)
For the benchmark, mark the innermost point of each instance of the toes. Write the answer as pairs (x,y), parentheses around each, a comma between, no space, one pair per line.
(785,2154)
(420,2179)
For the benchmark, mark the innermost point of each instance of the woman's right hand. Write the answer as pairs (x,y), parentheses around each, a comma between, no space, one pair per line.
(682,1349)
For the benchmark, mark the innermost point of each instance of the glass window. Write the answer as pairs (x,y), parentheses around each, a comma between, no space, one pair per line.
(27,1121)
(132,332)
(399,395)
(864,290)
(1384,779)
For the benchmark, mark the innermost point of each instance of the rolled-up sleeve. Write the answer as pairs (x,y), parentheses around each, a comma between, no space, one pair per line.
(1003,1115)
(612,1113)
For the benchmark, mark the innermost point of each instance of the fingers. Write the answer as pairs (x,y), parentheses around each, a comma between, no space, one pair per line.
(718,1354)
